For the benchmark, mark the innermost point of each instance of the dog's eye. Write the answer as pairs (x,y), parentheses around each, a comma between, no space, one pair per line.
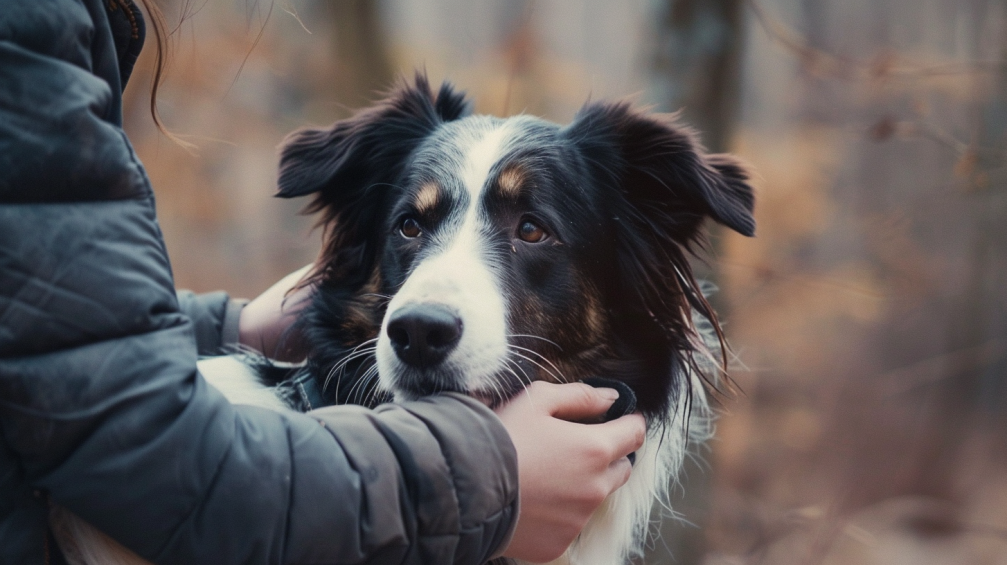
(410,228)
(531,232)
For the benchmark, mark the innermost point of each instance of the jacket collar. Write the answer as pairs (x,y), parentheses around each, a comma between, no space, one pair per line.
(128,32)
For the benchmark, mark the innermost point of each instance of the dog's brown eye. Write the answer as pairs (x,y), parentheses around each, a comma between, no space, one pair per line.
(410,228)
(531,232)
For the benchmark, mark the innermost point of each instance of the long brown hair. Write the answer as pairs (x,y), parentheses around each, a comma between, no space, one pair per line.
(157,24)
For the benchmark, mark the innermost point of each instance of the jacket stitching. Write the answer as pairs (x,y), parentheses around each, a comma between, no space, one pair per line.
(127,8)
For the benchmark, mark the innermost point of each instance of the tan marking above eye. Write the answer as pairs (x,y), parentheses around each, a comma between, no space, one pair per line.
(427,197)
(510,181)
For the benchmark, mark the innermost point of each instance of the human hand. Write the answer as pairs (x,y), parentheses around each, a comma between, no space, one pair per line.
(565,469)
(265,321)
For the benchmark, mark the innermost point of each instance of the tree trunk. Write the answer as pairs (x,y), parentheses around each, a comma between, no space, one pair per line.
(698,66)
(363,67)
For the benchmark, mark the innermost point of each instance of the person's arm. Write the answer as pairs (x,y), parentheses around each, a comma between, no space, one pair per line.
(215,317)
(265,324)
(101,407)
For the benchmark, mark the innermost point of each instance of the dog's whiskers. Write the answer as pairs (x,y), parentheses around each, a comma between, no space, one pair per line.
(368,391)
(341,367)
(357,352)
(549,341)
(555,373)
(354,353)
(524,379)
(374,396)
(557,378)
(359,388)
(524,376)
(498,386)
(339,380)
(496,389)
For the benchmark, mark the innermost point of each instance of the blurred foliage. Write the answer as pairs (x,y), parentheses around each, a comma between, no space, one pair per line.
(869,316)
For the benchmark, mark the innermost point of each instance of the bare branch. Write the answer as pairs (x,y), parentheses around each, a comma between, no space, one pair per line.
(823,63)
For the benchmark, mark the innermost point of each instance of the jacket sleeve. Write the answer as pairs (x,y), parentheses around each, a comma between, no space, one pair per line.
(101,404)
(214,317)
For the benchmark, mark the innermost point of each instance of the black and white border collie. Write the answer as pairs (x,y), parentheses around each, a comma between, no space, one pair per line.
(477,254)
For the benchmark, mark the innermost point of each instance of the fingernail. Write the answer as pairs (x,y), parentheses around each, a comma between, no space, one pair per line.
(609,393)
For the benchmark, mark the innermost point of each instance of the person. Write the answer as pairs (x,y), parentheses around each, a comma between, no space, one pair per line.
(103,411)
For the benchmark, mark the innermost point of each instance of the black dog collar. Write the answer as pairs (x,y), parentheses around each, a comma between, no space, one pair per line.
(625,404)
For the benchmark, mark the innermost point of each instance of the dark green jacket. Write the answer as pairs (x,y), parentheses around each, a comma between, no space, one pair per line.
(101,406)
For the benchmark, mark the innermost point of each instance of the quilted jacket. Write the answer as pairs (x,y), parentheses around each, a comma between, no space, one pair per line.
(102,409)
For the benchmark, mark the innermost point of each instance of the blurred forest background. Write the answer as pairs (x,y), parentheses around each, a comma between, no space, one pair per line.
(868,318)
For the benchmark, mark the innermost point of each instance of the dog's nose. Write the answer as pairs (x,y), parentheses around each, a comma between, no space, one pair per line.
(423,334)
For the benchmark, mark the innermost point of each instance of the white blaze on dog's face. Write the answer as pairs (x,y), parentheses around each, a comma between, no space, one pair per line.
(446,327)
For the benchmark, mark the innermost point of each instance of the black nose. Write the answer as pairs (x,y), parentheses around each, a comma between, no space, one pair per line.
(423,334)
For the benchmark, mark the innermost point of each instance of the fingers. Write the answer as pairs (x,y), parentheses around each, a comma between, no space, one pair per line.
(628,436)
(578,402)
(573,401)
(624,435)
(618,473)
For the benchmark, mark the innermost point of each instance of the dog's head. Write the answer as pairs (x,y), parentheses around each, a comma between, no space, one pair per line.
(476,253)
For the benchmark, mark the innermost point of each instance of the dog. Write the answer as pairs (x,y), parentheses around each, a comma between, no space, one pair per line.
(477,254)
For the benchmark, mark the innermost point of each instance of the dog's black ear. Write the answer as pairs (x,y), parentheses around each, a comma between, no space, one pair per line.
(663,170)
(352,169)
(368,148)
(662,185)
